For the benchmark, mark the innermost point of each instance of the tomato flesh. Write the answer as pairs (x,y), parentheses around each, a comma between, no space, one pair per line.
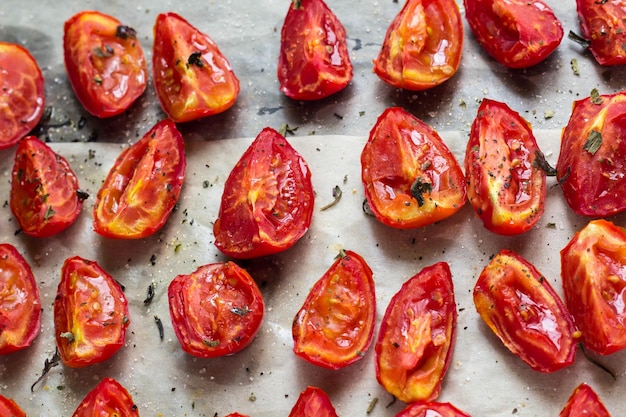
(9,408)
(108,398)
(431,409)
(584,402)
(313,401)
(604,26)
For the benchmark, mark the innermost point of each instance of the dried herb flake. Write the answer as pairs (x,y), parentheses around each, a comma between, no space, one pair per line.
(419,188)
(195,59)
(336,195)
(593,143)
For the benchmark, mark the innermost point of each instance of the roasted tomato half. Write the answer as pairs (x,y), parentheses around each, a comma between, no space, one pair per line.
(410,176)
(143,186)
(216,310)
(313,401)
(20,308)
(314,61)
(506,184)
(236,415)
(108,398)
(603,25)
(520,306)
(423,45)
(45,198)
(591,168)
(584,402)
(516,33)
(431,409)
(192,78)
(416,336)
(267,204)
(593,269)
(9,408)
(335,325)
(90,314)
(23,97)
(105,63)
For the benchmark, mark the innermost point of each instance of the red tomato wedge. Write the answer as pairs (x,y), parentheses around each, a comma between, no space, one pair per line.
(584,402)
(192,77)
(20,308)
(603,25)
(9,408)
(314,61)
(593,270)
(410,176)
(520,306)
(45,198)
(505,182)
(313,401)
(590,168)
(431,409)
(90,314)
(516,33)
(267,204)
(108,398)
(143,186)
(105,63)
(423,45)
(216,310)
(236,415)
(335,325)
(23,96)
(416,336)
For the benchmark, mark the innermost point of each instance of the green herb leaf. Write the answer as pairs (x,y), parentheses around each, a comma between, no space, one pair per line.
(286,129)
(195,59)
(419,188)
(595,96)
(541,163)
(49,213)
(574,65)
(68,335)
(593,143)
(211,343)
(578,39)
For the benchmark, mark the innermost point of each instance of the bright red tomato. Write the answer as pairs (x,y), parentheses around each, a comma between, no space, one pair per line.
(313,401)
(603,24)
(105,63)
(505,182)
(9,408)
(216,310)
(591,168)
(423,45)
(593,269)
(431,409)
(108,398)
(584,402)
(90,314)
(520,306)
(23,97)
(516,33)
(236,415)
(45,198)
(314,61)
(335,325)
(411,178)
(192,78)
(143,186)
(20,308)
(268,199)
(416,336)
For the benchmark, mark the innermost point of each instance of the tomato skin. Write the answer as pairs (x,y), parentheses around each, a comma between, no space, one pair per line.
(416,336)
(108,398)
(402,152)
(594,285)
(22,108)
(594,181)
(516,33)
(90,314)
(143,186)
(411,56)
(216,310)
(105,63)
(520,306)
(192,78)
(267,204)
(584,402)
(9,408)
(314,61)
(505,184)
(602,24)
(431,409)
(313,401)
(236,415)
(335,326)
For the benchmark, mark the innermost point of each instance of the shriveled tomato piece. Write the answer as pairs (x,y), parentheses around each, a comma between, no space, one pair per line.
(593,269)
(105,63)
(216,310)
(23,96)
(9,408)
(108,398)
(267,204)
(505,182)
(416,336)
(335,325)
(516,33)
(584,402)
(603,25)
(192,77)
(590,168)
(20,308)
(431,409)
(423,45)
(314,61)
(410,176)
(520,306)
(143,186)
(313,401)
(90,314)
